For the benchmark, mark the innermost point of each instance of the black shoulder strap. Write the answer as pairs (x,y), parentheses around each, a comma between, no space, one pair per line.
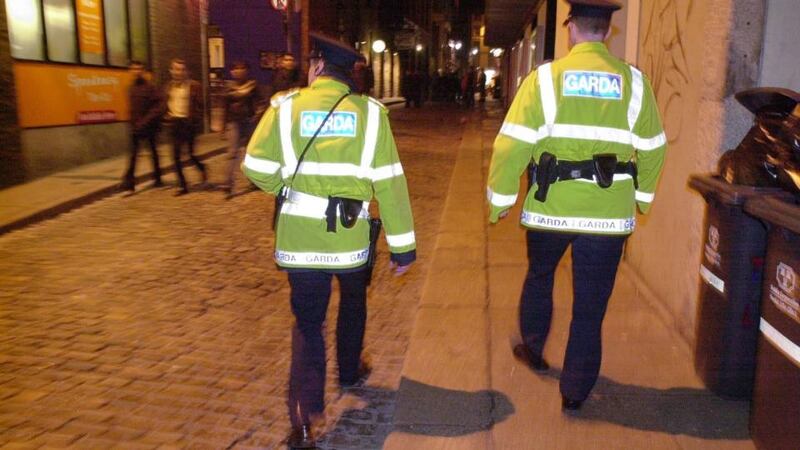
(308,144)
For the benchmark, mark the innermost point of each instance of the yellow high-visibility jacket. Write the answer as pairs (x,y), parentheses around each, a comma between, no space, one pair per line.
(586,103)
(354,156)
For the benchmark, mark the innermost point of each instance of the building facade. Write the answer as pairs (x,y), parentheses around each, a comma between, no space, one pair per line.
(67,74)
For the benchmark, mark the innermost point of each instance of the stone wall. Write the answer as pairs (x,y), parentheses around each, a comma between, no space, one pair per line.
(780,45)
(697,54)
(12,166)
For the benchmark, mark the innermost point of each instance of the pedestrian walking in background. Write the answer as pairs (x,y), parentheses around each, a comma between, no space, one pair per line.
(363,76)
(242,111)
(326,153)
(590,123)
(145,119)
(408,87)
(481,85)
(184,117)
(468,87)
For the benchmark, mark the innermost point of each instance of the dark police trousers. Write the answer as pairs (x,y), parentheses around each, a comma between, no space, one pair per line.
(311,292)
(594,267)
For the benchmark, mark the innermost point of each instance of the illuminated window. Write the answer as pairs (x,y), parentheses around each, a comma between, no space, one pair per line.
(59,22)
(116,25)
(25,30)
(140,44)
(90,31)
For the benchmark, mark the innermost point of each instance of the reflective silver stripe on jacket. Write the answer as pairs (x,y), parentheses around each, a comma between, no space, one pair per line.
(305,259)
(306,205)
(364,170)
(266,166)
(587,224)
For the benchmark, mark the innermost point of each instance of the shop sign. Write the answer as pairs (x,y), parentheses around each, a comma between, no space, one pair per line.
(90,26)
(52,95)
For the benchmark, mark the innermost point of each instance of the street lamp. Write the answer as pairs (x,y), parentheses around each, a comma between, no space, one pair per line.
(497,52)
(378,46)
(474,51)
(419,48)
(458,45)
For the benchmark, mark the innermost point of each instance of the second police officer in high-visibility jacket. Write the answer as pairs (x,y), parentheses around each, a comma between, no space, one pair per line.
(590,123)
(329,152)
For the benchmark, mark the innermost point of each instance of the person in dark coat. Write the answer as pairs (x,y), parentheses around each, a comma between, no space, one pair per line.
(243,108)
(145,114)
(287,76)
(363,76)
(481,85)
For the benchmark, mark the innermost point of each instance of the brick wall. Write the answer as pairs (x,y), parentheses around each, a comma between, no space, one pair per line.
(175,30)
(11,161)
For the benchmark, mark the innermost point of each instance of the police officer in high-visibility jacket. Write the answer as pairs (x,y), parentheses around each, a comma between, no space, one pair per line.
(322,225)
(589,123)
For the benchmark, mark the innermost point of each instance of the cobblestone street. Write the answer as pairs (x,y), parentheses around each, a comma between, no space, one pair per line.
(153,321)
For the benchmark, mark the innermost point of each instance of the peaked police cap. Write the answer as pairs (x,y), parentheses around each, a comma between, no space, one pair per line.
(593,8)
(332,51)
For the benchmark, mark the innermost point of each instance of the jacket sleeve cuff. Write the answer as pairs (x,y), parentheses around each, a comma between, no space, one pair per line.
(404,258)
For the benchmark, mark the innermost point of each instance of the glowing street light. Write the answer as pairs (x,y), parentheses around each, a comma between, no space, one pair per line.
(419,48)
(458,45)
(378,46)
(474,51)
(497,52)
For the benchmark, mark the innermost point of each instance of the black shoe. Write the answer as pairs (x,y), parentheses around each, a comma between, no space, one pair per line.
(531,359)
(126,187)
(157,184)
(364,370)
(182,191)
(570,405)
(301,438)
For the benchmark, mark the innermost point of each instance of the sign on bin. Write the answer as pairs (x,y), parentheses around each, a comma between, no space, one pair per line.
(782,291)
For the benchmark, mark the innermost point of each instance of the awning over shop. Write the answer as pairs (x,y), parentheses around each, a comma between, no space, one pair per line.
(505,20)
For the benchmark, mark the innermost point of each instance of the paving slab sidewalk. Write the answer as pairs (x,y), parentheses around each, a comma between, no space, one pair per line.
(54,194)
(60,192)
(462,388)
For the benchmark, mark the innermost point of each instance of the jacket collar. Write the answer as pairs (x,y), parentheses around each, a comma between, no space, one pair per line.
(325,82)
(589,47)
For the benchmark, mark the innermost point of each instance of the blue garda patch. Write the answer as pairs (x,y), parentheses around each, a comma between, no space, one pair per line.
(340,124)
(603,85)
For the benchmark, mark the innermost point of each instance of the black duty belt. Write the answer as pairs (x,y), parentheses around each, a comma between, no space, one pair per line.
(348,211)
(601,169)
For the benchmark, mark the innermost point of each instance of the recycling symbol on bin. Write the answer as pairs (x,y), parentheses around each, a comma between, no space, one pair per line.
(787,278)
(713,237)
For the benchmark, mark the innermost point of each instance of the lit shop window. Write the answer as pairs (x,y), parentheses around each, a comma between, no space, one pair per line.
(90,31)
(59,23)
(116,24)
(25,29)
(137,18)
(93,32)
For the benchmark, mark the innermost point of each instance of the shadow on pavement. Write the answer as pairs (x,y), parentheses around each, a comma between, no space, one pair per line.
(678,411)
(435,411)
(421,409)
